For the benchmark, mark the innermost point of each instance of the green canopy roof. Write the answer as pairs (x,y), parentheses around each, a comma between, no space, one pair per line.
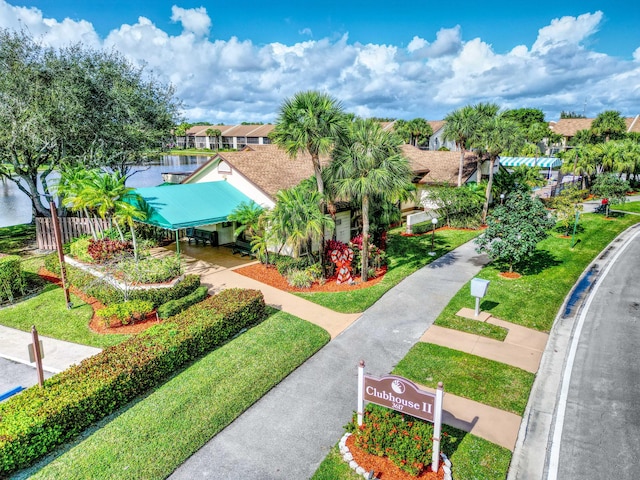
(188,205)
(543,162)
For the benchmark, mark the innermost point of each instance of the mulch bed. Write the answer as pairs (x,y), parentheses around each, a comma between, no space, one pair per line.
(385,469)
(270,276)
(510,275)
(97,324)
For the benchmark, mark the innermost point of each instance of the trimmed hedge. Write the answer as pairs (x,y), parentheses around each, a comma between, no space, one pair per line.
(108,294)
(173,307)
(39,419)
(12,282)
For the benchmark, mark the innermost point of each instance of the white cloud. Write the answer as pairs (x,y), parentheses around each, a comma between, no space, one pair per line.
(230,81)
(193,20)
(306,31)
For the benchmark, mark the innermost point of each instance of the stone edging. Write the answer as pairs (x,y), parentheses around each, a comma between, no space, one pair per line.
(347,457)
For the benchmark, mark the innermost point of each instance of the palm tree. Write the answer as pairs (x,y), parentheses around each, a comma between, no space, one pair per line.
(365,164)
(498,135)
(608,123)
(247,216)
(295,220)
(72,191)
(459,128)
(214,132)
(420,131)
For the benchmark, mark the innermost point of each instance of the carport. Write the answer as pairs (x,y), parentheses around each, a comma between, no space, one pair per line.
(542,162)
(176,207)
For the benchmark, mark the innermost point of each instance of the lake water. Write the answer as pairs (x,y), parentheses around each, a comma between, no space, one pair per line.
(15,207)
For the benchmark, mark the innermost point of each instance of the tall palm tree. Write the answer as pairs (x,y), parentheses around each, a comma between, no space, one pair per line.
(459,128)
(215,133)
(365,164)
(498,134)
(72,190)
(247,216)
(309,122)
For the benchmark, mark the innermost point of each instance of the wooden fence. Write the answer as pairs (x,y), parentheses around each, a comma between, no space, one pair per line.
(70,227)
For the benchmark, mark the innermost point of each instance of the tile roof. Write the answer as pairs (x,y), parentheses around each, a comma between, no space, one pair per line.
(567,127)
(441,166)
(436,124)
(232,130)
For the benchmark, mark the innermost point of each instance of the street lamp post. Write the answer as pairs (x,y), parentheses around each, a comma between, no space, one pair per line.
(501,198)
(434,222)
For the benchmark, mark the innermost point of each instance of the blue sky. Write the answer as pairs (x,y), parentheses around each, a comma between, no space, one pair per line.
(236,61)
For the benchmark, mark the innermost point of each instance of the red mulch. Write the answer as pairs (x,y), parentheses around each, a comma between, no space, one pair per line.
(97,324)
(510,275)
(270,276)
(385,469)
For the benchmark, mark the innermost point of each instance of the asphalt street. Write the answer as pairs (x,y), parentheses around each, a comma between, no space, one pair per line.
(601,425)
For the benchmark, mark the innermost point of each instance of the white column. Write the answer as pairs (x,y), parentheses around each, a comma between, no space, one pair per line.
(437,427)
(360,408)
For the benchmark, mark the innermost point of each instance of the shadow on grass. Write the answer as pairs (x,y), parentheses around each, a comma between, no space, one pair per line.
(487,305)
(563,231)
(540,261)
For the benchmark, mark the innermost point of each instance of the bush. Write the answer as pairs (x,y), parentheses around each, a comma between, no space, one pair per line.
(104,250)
(151,270)
(12,281)
(39,419)
(405,440)
(299,278)
(285,264)
(79,248)
(173,307)
(126,312)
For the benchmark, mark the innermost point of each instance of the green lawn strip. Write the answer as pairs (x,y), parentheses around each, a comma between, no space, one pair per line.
(471,458)
(627,207)
(48,312)
(14,240)
(405,255)
(534,299)
(486,381)
(152,437)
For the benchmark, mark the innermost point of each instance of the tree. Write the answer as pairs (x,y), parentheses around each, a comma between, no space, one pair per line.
(566,205)
(420,131)
(215,133)
(514,229)
(368,162)
(525,117)
(611,187)
(75,104)
(498,134)
(460,207)
(564,114)
(609,124)
(579,161)
(519,177)
(295,220)
(247,216)
(459,127)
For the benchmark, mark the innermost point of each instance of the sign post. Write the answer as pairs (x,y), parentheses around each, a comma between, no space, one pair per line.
(58,235)
(402,395)
(36,354)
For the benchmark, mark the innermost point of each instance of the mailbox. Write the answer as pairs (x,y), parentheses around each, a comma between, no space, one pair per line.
(479,287)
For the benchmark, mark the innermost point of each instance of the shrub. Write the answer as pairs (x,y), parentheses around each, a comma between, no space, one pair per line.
(79,248)
(39,419)
(299,278)
(285,264)
(405,440)
(173,307)
(12,281)
(126,312)
(151,270)
(105,250)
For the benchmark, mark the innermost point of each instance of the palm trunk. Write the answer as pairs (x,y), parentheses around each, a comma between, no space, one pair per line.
(365,239)
(461,166)
(485,208)
(317,170)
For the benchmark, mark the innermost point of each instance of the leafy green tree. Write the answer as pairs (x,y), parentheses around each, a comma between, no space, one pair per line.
(78,105)
(420,131)
(497,134)
(609,124)
(525,117)
(580,161)
(611,187)
(368,162)
(514,229)
(460,207)
(564,114)
(522,176)
(215,133)
(566,205)
(460,125)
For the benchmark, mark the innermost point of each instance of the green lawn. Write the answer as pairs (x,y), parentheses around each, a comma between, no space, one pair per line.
(472,458)
(156,434)
(628,207)
(405,255)
(14,240)
(534,299)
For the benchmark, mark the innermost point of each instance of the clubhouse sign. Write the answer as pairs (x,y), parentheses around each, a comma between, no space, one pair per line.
(403,396)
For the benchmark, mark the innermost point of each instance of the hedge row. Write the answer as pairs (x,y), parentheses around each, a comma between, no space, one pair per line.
(11,277)
(108,294)
(36,421)
(173,307)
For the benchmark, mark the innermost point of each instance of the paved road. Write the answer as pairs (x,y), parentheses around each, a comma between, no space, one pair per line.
(15,374)
(601,434)
(287,433)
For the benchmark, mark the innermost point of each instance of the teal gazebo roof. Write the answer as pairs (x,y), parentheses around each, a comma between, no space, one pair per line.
(542,162)
(188,205)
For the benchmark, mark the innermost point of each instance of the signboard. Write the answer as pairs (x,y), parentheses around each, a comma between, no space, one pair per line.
(32,353)
(400,394)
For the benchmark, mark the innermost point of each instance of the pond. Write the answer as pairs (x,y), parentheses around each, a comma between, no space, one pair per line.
(15,207)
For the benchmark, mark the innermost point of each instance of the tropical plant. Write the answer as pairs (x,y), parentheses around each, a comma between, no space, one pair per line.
(611,187)
(247,216)
(566,206)
(215,133)
(366,163)
(515,228)
(457,207)
(414,132)
(497,135)
(459,127)
(609,124)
